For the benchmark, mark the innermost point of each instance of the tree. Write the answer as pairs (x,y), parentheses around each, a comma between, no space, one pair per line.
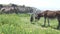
(1,6)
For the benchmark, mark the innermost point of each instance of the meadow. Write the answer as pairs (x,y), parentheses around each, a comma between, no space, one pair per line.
(20,24)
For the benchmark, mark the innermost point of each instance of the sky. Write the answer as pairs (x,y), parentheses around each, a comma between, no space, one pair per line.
(40,4)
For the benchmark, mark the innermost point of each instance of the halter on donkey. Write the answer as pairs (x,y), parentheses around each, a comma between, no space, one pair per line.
(34,15)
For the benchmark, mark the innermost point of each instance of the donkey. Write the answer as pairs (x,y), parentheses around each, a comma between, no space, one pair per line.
(49,14)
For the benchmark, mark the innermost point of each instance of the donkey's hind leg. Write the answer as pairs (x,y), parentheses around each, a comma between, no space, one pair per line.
(58,27)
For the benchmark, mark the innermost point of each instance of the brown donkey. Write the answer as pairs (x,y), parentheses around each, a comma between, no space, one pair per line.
(49,14)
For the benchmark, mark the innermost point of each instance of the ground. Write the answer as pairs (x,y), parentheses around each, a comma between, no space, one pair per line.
(20,24)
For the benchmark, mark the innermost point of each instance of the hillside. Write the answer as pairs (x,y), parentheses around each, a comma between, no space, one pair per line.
(20,24)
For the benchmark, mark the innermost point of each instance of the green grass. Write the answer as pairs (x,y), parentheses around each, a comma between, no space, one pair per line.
(20,24)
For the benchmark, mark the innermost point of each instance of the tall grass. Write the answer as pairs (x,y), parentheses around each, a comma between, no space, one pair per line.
(20,24)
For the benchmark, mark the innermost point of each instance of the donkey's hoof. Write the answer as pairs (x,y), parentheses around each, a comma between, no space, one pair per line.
(32,23)
(58,28)
(48,25)
(43,25)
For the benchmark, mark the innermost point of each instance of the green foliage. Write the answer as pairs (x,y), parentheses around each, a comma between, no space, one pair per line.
(20,24)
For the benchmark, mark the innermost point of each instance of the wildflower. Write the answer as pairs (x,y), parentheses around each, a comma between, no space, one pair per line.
(2,33)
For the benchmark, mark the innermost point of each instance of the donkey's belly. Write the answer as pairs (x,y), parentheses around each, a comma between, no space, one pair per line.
(51,17)
(51,14)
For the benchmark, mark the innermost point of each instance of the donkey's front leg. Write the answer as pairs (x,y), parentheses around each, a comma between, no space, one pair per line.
(48,22)
(44,21)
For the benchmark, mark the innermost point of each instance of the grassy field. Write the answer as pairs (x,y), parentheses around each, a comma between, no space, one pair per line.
(20,24)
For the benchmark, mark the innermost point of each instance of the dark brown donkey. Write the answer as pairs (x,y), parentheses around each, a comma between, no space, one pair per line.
(49,15)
